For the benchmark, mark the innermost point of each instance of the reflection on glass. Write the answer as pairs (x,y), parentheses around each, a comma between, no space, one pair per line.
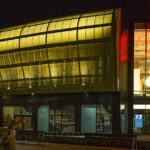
(104,118)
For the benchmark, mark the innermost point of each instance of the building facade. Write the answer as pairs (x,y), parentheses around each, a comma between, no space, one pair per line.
(83,73)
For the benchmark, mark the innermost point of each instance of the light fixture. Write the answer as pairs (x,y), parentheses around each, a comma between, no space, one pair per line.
(83,84)
(30,86)
(8,88)
(148,82)
(32,94)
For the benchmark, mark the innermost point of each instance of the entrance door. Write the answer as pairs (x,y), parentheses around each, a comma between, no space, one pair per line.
(88,118)
(43,118)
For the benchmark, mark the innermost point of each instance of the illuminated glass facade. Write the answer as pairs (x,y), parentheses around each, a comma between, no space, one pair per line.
(68,54)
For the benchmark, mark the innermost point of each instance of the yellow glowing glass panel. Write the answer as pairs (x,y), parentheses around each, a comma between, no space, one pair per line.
(12,58)
(15,44)
(75,68)
(73,23)
(72,35)
(45,70)
(43,54)
(51,54)
(27,71)
(2,35)
(5,73)
(82,22)
(81,34)
(29,41)
(57,37)
(53,68)
(1,60)
(10,33)
(59,25)
(44,27)
(42,40)
(84,67)
(22,42)
(66,52)
(52,26)
(90,34)
(107,31)
(36,40)
(24,31)
(37,28)
(17,58)
(60,69)
(20,73)
(107,18)
(66,24)
(17,32)
(82,50)
(30,30)
(9,45)
(37,55)
(6,34)
(98,33)
(14,73)
(50,38)
(90,21)
(99,20)
(65,36)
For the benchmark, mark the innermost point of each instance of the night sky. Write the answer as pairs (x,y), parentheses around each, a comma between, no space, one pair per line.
(14,12)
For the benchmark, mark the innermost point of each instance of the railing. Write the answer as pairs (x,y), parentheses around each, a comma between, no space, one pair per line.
(108,140)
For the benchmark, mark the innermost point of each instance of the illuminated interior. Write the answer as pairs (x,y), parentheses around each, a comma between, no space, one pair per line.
(68,54)
(142,59)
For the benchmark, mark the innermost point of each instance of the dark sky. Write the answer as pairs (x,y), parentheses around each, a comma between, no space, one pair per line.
(13,12)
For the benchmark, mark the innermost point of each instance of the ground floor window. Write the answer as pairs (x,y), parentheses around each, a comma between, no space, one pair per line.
(62,118)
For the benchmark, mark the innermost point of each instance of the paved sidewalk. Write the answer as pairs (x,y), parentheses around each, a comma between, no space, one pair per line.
(52,146)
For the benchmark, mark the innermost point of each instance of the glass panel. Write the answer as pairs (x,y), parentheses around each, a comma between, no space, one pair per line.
(104,118)
(82,22)
(90,21)
(81,34)
(65,36)
(73,51)
(50,38)
(72,35)
(27,123)
(107,31)
(84,67)
(52,26)
(74,23)
(90,34)
(43,27)
(66,24)
(57,37)
(99,20)
(30,30)
(27,110)
(59,25)
(107,18)
(8,114)
(42,40)
(98,33)
(139,60)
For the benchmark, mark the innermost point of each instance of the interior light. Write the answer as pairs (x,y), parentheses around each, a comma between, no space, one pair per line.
(83,84)
(8,88)
(32,94)
(148,82)
(30,86)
